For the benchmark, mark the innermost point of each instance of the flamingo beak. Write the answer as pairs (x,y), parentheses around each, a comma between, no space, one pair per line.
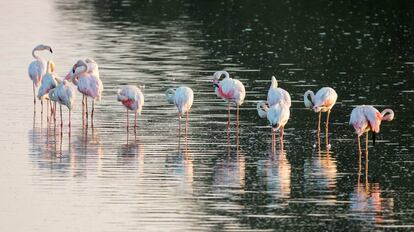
(215,85)
(275,127)
(50,50)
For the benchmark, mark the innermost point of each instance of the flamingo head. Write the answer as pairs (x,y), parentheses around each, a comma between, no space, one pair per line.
(43,47)
(316,109)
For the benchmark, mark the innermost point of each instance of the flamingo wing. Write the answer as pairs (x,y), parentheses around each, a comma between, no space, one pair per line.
(374,117)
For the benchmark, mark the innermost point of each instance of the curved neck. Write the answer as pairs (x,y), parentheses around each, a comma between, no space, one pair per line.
(309,103)
(274,82)
(226,74)
(34,54)
(387,115)
(262,109)
(169,95)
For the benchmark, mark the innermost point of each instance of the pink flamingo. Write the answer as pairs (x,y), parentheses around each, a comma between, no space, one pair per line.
(324,100)
(37,69)
(64,94)
(49,81)
(365,118)
(86,77)
(230,90)
(277,115)
(182,98)
(277,95)
(133,99)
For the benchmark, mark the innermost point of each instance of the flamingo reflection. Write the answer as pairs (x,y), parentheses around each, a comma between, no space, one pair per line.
(367,204)
(180,167)
(276,170)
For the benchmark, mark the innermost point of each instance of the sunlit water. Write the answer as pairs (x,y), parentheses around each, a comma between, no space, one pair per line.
(102,179)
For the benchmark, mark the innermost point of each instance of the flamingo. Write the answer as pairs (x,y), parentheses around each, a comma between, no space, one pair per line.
(64,94)
(277,115)
(182,98)
(277,95)
(37,69)
(86,77)
(324,100)
(133,99)
(49,81)
(366,118)
(230,90)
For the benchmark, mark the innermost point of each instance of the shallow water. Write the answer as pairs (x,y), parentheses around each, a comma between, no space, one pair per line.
(103,179)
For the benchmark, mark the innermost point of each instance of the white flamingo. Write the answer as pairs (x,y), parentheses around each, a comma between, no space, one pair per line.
(230,90)
(132,98)
(324,100)
(277,95)
(37,69)
(182,98)
(49,81)
(277,115)
(86,77)
(366,118)
(64,94)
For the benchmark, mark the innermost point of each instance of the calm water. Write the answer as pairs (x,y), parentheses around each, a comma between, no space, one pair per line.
(102,179)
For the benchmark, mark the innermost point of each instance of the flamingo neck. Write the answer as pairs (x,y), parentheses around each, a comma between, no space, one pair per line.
(169,96)
(274,82)
(34,54)
(387,115)
(226,74)
(309,103)
(262,109)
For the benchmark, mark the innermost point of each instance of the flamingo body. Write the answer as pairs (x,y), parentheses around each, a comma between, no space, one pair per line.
(64,94)
(182,98)
(131,97)
(36,71)
(49,81)
(366,117)
(277,95)
(229,89)
(278,115)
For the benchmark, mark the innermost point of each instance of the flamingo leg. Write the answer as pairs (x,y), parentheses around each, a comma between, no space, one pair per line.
(83,109)
(282,131)
(359,148)
(86,111)
(41,103)
(92,111)
(127,120)
(34,97)
(273,140)
(69,119)
(366,147)
(327,128)
(186,124)
(61,121)
(228,122)
(54,114)
(319,128)
(135,122)
(237,118)
(47,111)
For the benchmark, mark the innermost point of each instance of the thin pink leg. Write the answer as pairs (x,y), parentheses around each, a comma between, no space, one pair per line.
(41,103)
(327,128)
(237,118)
(83,110)
(86,111)
(282,131)
(135,122)
(34,97)
(47,111)
(61,121)
(228,123)
(93,110)
(186,125)
(127,113)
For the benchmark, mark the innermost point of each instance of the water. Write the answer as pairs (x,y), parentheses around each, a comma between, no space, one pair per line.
(102,179)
